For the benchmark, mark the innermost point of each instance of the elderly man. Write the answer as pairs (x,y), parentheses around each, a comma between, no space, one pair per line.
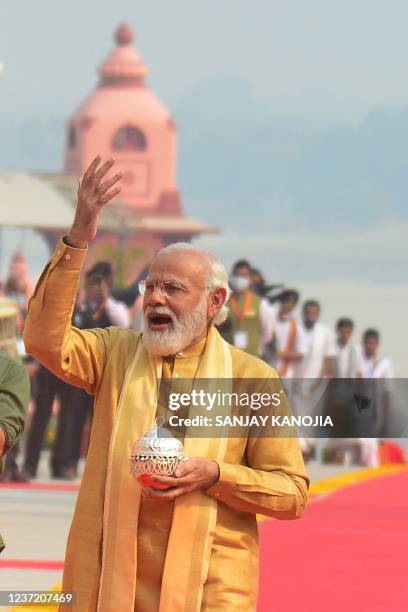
(14,398)
(192,545)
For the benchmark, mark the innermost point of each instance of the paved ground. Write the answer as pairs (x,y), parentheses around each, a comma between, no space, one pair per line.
(35,522)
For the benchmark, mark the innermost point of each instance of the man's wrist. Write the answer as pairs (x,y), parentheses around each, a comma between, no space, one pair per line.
(74,242)
(216,474)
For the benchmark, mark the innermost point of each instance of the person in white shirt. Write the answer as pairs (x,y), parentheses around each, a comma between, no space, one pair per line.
(376,373)
(345,364)
(289,336)
(320,346)
(316,365)
(341,401)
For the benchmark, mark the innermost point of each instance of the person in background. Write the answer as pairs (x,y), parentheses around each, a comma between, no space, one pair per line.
(257,282)
(16,290)
(46,389)
(290,339)
(259,286)
(376,373)
(134,301)
(345,363)
(341,401)
(316,365)
(251,321)
(128,295)
(320,347)
(100,308)
(19,270)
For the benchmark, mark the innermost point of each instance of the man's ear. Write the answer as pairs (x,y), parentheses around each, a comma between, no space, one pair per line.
(217,300)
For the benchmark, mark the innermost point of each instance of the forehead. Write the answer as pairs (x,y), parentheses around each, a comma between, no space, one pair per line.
(242,271)
(179,265)
(312,308)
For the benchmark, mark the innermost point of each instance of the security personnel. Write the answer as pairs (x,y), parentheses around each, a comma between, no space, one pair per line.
(14,398)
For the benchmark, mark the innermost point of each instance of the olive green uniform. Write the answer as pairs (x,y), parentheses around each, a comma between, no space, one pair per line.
(14,398)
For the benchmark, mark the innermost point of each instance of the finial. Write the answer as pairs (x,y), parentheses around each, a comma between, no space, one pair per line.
(123,35)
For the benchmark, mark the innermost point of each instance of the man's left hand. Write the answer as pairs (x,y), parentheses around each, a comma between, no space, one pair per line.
(191,474)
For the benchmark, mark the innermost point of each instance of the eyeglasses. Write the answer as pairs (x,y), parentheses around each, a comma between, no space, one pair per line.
(169,288)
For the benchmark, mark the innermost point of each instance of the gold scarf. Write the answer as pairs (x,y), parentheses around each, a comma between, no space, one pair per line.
(195,513)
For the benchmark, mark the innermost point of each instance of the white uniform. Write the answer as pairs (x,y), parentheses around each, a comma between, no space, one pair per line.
(376,374)
(319,345)
(283,328)
(267,319)
(373,367)
(346,363)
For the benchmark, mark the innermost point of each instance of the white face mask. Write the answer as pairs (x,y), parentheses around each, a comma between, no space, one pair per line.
(239,283)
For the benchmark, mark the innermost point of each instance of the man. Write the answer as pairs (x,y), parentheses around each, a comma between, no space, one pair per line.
(14,398)
(340,403)
(290,340)
(46,388)
(100,308)
(251,321)
(192,545)
(320,348)
(345,365)
(376,373)
(316,365)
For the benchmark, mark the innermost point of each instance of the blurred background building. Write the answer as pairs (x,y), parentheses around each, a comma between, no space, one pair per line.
(123,119)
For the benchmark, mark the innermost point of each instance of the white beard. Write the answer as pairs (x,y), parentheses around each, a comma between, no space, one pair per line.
(184,330)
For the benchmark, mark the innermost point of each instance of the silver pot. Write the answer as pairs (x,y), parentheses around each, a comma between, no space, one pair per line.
(154,455)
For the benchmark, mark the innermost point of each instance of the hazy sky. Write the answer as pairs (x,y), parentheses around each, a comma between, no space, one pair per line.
(319,62)
(326,61)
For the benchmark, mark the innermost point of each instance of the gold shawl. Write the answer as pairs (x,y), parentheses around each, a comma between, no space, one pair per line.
(195,513)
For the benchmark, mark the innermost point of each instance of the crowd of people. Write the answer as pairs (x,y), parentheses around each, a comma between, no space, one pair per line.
(262,321)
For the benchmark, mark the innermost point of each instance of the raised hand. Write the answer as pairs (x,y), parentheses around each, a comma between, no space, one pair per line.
(93,195)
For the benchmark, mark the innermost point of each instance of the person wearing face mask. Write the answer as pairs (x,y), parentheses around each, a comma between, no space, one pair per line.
(251,322)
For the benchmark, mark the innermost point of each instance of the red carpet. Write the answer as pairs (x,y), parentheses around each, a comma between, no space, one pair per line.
(348,553)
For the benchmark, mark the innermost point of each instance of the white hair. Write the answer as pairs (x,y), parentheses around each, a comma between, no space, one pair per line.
(217,274)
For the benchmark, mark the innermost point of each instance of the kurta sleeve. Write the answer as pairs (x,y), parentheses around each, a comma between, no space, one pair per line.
(271,479)
(77,356)
(275,485)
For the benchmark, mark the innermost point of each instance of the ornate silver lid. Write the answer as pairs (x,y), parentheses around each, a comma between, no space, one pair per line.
(150,445)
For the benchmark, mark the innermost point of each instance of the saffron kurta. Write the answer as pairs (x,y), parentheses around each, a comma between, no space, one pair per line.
(257,475)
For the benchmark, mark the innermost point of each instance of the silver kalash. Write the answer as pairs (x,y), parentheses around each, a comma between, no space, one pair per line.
(154,455)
